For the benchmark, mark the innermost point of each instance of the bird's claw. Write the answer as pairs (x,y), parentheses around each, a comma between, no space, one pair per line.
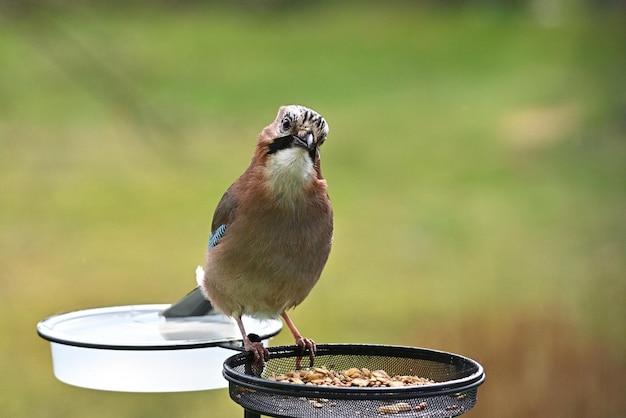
(259,352)
(304,344)
(260,356)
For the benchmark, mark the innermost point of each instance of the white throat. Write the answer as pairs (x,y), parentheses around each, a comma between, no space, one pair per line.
(288,172)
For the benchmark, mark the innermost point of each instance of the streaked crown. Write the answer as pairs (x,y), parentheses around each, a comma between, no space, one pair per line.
(300,121)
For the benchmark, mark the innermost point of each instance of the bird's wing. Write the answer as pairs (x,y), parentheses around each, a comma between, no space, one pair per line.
(223,216)
(216,236)
(225,210)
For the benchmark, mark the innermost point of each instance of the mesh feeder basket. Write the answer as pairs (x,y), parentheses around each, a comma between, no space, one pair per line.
(450,390)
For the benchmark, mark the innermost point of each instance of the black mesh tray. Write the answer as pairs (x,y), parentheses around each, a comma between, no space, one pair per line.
(453,393)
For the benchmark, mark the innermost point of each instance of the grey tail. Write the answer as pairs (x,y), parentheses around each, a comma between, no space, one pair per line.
(194,304)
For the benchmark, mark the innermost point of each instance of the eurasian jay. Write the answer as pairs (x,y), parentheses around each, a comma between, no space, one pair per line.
(271,232)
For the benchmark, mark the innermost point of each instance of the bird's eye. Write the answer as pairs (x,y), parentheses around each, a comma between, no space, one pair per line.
(286,124)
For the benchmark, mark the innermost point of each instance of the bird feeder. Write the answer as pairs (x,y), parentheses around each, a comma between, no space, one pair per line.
(451,390)
(136,349)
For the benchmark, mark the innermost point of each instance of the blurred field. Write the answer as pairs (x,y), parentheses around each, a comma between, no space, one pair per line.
(476,162)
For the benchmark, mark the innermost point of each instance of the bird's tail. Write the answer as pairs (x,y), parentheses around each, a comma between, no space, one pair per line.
(193,304)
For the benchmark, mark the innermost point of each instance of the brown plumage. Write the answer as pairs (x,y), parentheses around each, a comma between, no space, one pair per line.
(279,226)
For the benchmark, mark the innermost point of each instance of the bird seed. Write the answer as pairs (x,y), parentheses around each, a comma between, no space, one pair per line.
(352,377)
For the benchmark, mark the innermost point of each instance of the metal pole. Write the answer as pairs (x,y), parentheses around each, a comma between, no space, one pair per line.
(250,414)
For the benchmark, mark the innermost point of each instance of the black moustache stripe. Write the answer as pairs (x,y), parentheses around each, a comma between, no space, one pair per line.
(280,143)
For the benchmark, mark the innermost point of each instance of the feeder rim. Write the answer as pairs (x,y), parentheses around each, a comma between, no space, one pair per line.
(45,331)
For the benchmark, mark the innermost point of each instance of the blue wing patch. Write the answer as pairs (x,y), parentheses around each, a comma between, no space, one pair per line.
(216,236)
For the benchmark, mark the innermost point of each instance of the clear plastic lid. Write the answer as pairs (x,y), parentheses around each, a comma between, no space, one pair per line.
(135,349)
(142,327)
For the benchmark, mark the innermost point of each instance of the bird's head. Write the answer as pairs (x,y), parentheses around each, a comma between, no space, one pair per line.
(288,151)
(295,126)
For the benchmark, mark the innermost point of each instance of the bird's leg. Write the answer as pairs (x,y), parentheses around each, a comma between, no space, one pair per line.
(258,350)
(301,342)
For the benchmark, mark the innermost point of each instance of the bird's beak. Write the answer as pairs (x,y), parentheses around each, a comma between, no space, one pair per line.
(306,142)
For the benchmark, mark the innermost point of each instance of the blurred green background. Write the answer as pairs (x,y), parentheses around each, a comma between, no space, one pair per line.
(476,163)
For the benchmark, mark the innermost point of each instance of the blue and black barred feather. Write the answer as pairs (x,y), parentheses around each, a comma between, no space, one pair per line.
(216,236)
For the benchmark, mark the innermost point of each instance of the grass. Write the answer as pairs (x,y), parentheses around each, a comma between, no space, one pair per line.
(475,162)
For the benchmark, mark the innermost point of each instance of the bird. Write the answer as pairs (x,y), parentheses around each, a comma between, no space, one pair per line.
(271,232)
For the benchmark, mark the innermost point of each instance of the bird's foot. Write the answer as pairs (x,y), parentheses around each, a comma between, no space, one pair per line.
(254,345)
(259,351)
(304,344)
